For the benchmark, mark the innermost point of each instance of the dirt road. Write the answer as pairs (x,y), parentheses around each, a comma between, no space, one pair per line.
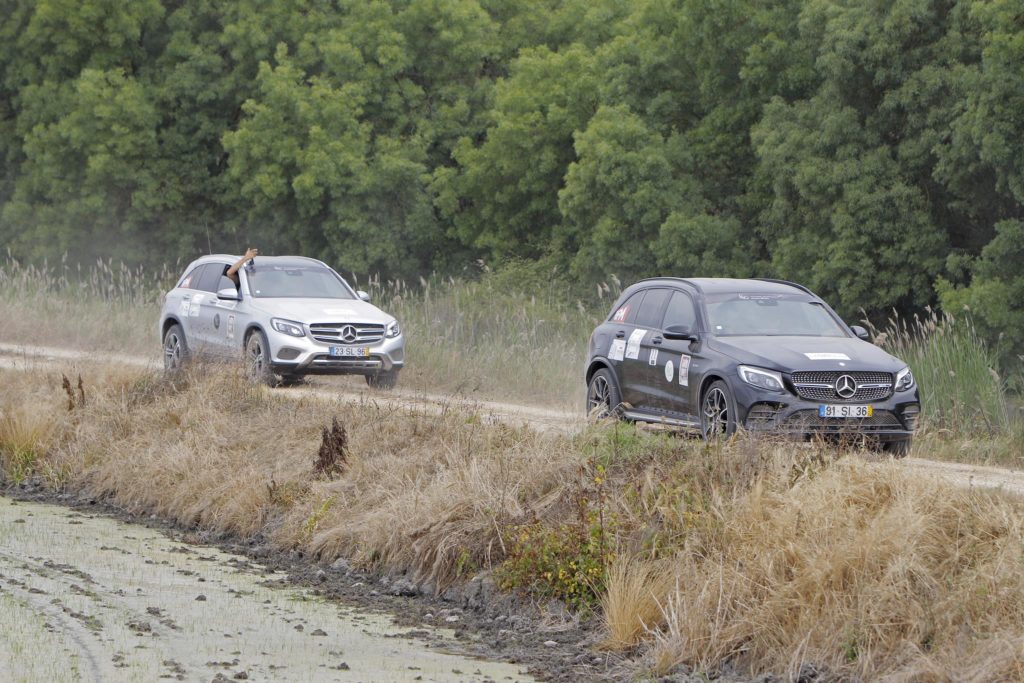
(27,357)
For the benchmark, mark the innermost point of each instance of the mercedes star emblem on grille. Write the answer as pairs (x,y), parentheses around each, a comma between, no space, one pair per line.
(846,386)
(348,334)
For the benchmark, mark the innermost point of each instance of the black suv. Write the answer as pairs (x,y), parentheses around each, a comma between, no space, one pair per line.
(714,354)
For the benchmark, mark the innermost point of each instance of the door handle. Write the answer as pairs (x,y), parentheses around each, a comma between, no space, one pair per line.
(621,334)
(657,339)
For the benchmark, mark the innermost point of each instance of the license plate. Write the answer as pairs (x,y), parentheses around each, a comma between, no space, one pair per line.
(845,411)
(350,351)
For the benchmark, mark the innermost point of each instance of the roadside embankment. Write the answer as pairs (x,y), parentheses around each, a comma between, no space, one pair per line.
(752,558)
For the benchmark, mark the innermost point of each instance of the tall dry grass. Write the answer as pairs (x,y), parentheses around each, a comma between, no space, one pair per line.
(757,555)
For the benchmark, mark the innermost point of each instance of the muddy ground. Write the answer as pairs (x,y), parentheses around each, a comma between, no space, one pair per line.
(544,640)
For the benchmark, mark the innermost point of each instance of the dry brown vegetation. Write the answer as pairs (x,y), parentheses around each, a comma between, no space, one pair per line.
(763,555)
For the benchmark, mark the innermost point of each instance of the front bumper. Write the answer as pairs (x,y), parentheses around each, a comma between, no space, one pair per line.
(894,418)
(307,356)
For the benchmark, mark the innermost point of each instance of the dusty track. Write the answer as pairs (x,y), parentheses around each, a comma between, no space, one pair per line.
(30,357)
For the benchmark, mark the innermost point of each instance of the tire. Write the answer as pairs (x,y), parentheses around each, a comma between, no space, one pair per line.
(383,380)
(717,412)
(898,449)
(176,351)
(257,359)
(603,397)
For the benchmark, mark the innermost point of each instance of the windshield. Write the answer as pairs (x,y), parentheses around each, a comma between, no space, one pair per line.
(736,315)
(301,282)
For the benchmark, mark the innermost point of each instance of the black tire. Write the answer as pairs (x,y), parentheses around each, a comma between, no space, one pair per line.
(603,397)
(383,380)
(898,449)
(176,351)
(717,412)
(257,359)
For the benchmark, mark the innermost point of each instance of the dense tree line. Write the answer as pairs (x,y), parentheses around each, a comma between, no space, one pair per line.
(872,150)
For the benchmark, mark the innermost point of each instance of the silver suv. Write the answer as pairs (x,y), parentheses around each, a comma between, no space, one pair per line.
(288,316)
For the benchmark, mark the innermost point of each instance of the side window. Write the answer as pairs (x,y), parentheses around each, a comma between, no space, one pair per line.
(680,311)
(651,309)
(626,313)
(211,276)
(191,281)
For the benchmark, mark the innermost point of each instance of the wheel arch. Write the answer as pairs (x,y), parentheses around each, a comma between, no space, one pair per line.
(600,364)
(168,323)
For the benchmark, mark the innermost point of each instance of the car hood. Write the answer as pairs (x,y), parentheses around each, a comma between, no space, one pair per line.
(322,310)
(789,354)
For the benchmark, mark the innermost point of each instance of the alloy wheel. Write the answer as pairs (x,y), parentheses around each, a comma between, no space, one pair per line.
(716,414)
(172,352)
(599,397)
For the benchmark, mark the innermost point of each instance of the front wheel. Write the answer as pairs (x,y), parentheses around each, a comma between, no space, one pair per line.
(603,397)
(176,353)
(257,359)
(898,449)
(383,380)
(717,412)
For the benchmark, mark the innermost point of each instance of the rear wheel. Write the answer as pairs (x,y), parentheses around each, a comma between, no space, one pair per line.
(176,353)
(603,397)
(383,380)
(717,412)
(257,359)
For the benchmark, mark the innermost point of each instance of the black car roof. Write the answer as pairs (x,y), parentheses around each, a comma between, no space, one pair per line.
(727,285)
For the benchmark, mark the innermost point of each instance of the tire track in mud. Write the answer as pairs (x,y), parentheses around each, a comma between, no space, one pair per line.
(539,418)
(91,653)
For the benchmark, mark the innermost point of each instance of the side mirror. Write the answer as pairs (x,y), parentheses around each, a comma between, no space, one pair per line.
(861,332)
(228,294)
(676,332)
(363,295)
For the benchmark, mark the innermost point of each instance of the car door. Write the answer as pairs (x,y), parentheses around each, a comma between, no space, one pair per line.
(674,377)
(216,315)
(201,310)
(641,353)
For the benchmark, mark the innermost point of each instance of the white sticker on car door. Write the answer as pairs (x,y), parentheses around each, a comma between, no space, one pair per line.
(193,310)
(684,370)
(669,371)
(653,359)
(633,347)
(617,349)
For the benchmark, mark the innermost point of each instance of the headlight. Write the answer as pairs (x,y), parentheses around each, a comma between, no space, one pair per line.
(288,327)
(762,379)
(393,329)
(904,380)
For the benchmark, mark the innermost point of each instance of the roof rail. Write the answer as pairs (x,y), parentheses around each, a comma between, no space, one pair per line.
(785,282)
(689,283)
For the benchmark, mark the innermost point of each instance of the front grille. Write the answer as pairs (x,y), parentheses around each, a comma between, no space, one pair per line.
(821,386)
(810,421)
(333,333)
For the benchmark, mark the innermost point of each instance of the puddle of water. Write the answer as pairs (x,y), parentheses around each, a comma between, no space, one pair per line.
(86,597)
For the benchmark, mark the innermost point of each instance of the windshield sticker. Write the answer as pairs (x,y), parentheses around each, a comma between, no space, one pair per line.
(827,356)
(684,370)
(760,297)
(620,315)
(186,282)
(653,360)
(669,371)
(617,349)
(633,347)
